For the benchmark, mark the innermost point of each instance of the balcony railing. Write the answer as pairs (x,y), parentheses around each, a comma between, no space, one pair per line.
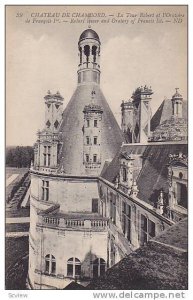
(76,223)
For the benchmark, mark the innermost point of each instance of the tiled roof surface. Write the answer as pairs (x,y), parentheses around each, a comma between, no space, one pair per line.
(164,112)
(71,156)
(156,266)
(154,173)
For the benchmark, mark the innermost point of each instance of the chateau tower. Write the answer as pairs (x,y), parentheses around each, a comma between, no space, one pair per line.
(92,136)
(127,119)
(177,101)
(53,110)
(48,144)
(108,136)
(89,54)
(141,114)
(67,218)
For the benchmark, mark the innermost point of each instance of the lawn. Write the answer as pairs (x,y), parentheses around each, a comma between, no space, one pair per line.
(16,263)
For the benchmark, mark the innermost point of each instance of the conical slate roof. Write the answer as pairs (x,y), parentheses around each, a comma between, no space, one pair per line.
(71,155)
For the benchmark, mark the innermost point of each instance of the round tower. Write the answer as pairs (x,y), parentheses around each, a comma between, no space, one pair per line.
(89,56)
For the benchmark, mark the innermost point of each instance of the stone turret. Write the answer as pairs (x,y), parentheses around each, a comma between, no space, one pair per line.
(92,135)
(177,101)
(141,114)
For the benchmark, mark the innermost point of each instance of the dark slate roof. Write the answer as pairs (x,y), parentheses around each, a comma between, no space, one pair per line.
(71,156)
(164,113)
(74,286)
(89,34)
(111,172)
(156,266)
(175,236)
(153,175)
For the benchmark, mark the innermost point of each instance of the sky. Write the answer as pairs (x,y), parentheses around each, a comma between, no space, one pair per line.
(42,57)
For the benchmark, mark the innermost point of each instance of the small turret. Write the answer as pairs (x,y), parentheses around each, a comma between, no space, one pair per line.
(92,135)
(141,114)
(177,101)
(127,119)
(53,111)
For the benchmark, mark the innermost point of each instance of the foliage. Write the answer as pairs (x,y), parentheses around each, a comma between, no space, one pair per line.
(19,157)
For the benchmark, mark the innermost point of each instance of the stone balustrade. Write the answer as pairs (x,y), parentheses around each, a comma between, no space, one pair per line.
(84,223)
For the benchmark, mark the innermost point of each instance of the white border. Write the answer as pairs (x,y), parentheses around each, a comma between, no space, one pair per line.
(5,294)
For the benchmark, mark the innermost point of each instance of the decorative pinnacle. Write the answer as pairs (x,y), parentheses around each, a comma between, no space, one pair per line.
(176,89)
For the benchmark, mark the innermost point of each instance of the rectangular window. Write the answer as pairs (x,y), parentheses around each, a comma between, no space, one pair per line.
(151,229)
(88,123)
(47,266)
(147,230)
(87,158)
(95,208)
(94,158)
(77,270)
(124,174)
(95,140)
(95,123)
(45,190)
(182,194)
(87,140)
(47,155)
(48,159)
(126,220)
(44,159)
(114,209)
(53,271)
(70,270)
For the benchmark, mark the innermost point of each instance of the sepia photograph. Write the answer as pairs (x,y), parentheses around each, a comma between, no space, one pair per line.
(96,148)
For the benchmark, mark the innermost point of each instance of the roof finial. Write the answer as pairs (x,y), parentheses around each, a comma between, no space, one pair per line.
(176,89)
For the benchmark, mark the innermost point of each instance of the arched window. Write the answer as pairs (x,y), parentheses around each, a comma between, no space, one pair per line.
(73,267)
(98,267)
(87,53)
(50,264)
(80,49)
(94,48)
